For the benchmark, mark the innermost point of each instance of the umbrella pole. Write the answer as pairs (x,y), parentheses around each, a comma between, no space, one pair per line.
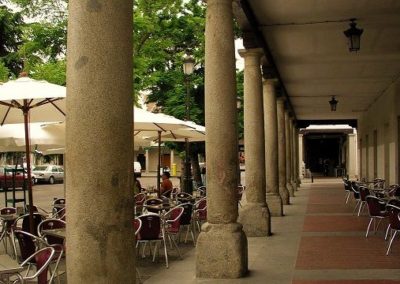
(28,165)
(159,164)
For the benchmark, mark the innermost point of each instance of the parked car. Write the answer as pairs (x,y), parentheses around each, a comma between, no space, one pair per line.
(6,177)
(137,169)
(48,173)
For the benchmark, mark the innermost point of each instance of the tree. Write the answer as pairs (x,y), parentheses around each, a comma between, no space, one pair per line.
(11,25)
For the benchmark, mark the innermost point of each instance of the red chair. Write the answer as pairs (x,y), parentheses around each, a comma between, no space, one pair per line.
(152,202)
(376,210)
(186,220)
(140,198)
(200,213)
(172,225)
(152,231)
(394,224)
(42,259)
(5,233)
(347,189)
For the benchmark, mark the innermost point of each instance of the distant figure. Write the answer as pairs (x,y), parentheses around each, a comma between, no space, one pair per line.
(166,184)
(326,167)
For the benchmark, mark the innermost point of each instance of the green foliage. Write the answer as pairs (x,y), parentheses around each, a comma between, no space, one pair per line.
(53,72)
(11,25)
(4,72)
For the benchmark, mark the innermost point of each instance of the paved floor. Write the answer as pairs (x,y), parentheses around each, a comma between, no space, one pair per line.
(318,240)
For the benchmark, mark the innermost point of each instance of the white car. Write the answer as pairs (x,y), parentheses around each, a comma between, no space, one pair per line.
(47,173)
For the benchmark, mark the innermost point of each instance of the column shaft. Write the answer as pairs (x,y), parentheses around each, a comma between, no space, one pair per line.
(274,200)
(297,151)
(283,190)
(99,136)
(293,154)
(288,152)
(352,156)
(254,215)
(301,166)
(222,238)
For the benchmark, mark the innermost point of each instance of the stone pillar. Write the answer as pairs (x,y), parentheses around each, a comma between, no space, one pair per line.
(254,215)
(147,161)
(293,180)
(283,190)
(352,156)
(298,161)
(222,239)
(99,136)
(288,155)
(301,156)
(274,200)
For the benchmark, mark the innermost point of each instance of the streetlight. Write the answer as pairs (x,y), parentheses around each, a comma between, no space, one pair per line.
(188,68)
(333,103)
(353,35)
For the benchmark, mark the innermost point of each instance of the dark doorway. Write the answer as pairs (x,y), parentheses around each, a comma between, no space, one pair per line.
(323,153)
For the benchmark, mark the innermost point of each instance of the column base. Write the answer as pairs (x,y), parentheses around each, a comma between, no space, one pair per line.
(290,189)
(275,205)
(284,193)
(221,251)
(256,219)
(294,185)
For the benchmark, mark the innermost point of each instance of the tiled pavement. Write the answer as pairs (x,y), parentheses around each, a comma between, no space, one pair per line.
(318,241)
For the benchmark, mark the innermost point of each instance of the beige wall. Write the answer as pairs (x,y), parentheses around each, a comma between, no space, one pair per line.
(382,118)
(153,159)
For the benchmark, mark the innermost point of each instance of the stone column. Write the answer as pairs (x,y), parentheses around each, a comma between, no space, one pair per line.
(99,136)
(222,239)
(172,160)
(298,161)
(301,156)
(147,161)
(283,190)
(288,155)
(254,215)
(292,154)
(352,156)
(274,200)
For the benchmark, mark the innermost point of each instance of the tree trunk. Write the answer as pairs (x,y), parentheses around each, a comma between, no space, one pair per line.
(196,168)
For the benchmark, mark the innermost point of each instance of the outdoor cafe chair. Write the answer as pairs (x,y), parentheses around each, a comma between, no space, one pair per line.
(364,192)
(356,194)
(137,225)
(200,213)
(172,225)
(152,202)
(37,209)
(394,224)
(395,202)
(186,220)
(240,190)
(347,189)
(376,210)
(29,244)
(140,198)
(5,233)
(152,231)
(184,197)
(22,222)
(202,191)
(50,224)
(42,259)
(61,214)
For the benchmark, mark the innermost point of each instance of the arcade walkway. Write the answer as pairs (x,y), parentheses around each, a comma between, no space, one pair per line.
(318,241)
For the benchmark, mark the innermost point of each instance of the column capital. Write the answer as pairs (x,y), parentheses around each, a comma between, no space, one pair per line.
(251,52)
(270,81)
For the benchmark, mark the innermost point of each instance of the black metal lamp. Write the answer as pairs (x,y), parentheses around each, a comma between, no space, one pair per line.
(353,35)
(188,65)
(333,103)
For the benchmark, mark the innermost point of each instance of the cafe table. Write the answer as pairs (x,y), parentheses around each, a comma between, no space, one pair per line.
(59,233)
(8,267)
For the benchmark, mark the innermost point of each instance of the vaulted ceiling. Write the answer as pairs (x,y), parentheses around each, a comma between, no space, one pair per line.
(306,41)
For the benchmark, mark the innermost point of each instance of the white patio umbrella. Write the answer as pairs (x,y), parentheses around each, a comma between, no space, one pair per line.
(195,133)
(147,122)
(27,100)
